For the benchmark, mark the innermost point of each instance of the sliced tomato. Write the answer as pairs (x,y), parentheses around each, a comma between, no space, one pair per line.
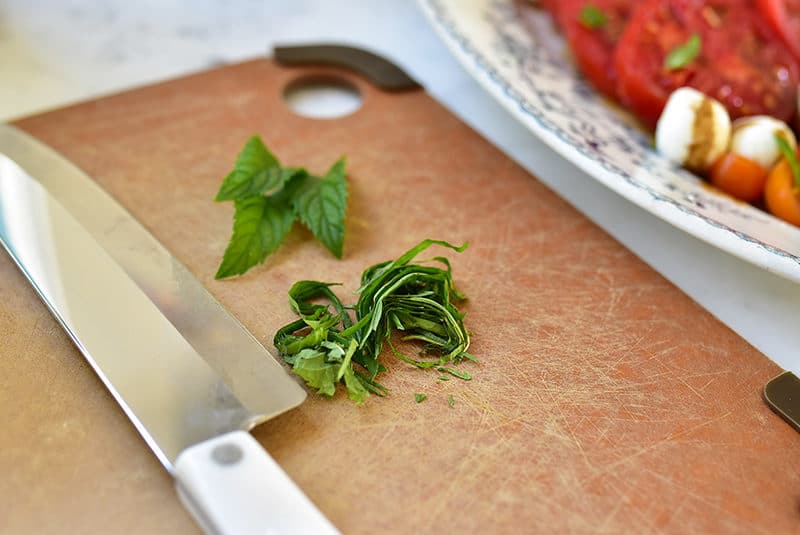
(593,47)
(784,17)
(555,8)
(741,63)
(550,5)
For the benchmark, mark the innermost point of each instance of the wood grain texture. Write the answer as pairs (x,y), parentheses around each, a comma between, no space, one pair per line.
(605,400)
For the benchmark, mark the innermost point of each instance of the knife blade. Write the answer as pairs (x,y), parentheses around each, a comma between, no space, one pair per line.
(188,375)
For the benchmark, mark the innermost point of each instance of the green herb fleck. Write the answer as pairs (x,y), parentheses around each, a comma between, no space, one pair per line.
(268,198)
(469,357)
(791,159)
(444,377)
(326,345)
(451,401)
(419,398)
(456,373)
(592,17)
(682,55)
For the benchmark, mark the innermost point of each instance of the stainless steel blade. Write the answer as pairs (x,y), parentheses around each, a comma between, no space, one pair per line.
(182,368)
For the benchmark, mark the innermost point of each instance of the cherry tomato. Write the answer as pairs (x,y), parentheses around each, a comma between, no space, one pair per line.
(741,62)
(784,17)
(594,47)
(739,177)
(781,195)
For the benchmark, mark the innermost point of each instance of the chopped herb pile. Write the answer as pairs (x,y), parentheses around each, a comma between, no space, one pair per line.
(327,346)
(269,198)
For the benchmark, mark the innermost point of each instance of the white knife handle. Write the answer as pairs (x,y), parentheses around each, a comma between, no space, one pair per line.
(232,486)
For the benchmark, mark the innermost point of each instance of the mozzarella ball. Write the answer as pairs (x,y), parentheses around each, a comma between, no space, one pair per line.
(754,138)
(693,130)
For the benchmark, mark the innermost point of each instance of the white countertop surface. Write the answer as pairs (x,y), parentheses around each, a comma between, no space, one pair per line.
(55,52)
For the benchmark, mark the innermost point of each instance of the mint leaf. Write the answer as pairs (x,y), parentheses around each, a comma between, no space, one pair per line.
(315,368)
(320,203)
(239,185)
(256,171)
(346,362)
(356,390)
(682,55)
(311,365)
(260,225)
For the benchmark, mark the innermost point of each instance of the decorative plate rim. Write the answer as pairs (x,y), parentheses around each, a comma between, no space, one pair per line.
(723,236)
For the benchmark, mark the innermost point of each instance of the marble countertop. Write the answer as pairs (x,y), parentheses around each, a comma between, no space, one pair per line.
(54,52)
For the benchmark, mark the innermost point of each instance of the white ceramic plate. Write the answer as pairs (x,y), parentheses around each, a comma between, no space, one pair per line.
(528,73)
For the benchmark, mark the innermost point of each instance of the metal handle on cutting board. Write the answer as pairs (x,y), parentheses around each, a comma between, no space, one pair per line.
(381,72)
(232,486)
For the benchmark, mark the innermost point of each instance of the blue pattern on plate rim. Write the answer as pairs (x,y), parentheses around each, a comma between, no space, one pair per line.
(609,140)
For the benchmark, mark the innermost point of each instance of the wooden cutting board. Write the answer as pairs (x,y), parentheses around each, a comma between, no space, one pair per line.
(605,399)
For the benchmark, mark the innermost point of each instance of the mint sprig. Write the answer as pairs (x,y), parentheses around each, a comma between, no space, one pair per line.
(269,198)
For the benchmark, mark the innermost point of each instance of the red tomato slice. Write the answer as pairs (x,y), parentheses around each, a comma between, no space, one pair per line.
(556,10)
(784,17)
(550,5)
(741,63)
(594,47)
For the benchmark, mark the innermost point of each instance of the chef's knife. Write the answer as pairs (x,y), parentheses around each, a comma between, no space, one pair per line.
(188,375)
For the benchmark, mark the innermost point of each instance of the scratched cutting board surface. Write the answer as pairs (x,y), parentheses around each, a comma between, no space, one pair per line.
(605,399)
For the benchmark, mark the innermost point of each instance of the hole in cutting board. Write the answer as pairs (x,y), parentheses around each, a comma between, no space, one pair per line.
(322,97)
